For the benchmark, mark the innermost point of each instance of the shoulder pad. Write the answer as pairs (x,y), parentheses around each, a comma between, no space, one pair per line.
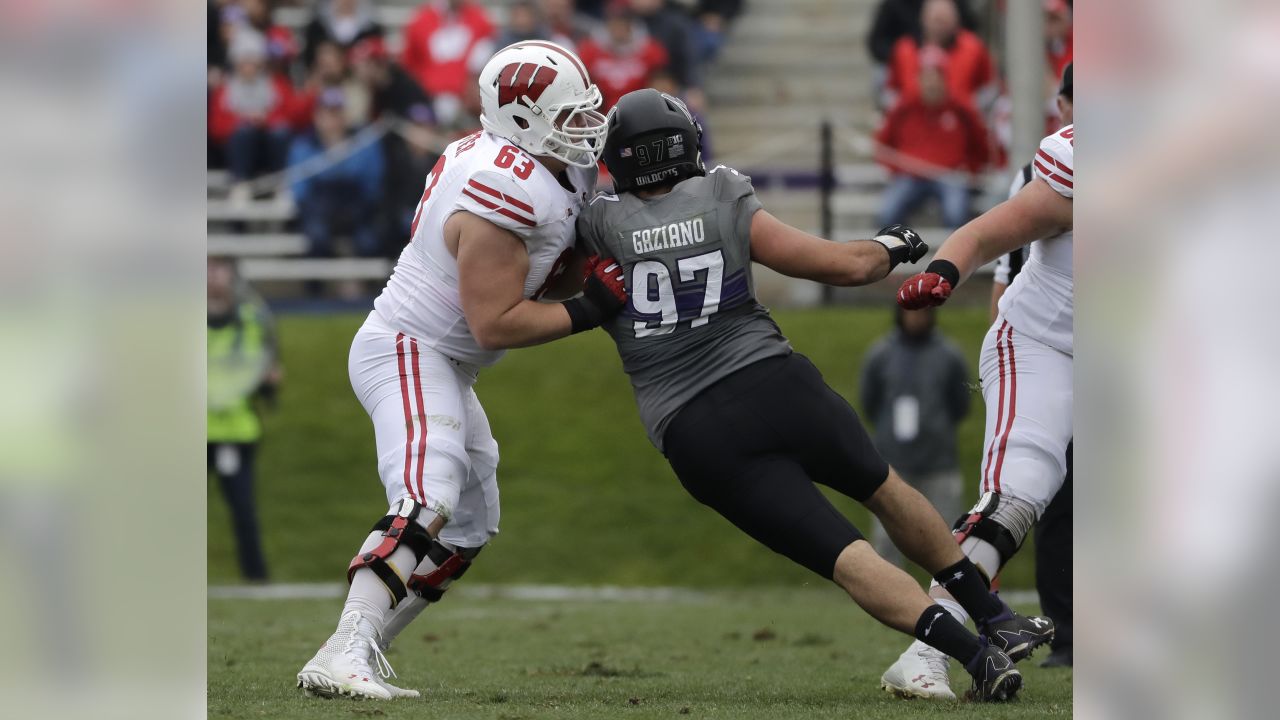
(1054,161)
(730,184)
(500,199)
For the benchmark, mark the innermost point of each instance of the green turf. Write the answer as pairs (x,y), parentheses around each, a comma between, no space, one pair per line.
(739,655)
(585,497)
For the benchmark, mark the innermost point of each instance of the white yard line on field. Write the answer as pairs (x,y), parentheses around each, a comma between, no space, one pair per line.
(552,593)
(544,593)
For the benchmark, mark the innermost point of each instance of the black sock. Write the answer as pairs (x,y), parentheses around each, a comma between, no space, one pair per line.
(966,584)
(937,629)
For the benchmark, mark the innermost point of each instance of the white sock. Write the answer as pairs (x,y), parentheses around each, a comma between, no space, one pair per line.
(954,608)
(398,619)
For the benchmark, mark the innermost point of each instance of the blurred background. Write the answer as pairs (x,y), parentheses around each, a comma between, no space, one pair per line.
(103,223)
(324,118)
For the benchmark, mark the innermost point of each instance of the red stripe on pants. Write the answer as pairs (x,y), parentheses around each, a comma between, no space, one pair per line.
(408,414)
(1013,409)
(422,418)
(986,467)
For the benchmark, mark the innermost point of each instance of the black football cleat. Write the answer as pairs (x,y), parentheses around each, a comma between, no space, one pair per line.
(1017,635)
(995,677)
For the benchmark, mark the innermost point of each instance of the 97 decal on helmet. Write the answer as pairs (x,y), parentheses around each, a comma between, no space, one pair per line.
(538,95)
(653,140)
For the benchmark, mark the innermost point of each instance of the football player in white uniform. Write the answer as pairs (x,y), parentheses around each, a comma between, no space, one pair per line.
(490,237)
(1025,367)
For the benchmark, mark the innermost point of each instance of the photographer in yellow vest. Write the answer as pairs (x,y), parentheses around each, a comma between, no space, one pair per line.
(244,372)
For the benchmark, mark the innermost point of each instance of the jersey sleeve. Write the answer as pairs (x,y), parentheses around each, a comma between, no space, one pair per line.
(589,241)
(1053,161)
(735,188)
(500,199)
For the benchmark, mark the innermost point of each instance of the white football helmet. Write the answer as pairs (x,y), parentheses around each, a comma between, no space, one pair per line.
(538,95)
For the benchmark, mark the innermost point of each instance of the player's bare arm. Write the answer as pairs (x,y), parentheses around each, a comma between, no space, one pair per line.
(1036,211)
(492,266)
(796,253)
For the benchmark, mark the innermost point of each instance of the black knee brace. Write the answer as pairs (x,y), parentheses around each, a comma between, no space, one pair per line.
(442,566)
(401,527)
(983,523)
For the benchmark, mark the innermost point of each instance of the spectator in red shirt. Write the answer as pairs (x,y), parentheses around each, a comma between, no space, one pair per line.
(930,141)
(249,113)
(970,74)
(624,57)
(345,22)
(897,18)
(1058,37)
(445,46)
(1058,50)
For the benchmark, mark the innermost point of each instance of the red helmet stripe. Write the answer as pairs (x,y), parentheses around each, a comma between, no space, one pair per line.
(577,64)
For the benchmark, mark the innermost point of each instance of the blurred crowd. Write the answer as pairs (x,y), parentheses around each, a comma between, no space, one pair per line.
(350,116)
(945,108)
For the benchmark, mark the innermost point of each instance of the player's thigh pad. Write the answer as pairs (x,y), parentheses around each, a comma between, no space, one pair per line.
(417,401)
(475,518)
(1027,387)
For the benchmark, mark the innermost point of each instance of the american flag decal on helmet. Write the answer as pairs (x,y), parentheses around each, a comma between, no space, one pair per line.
(520,80)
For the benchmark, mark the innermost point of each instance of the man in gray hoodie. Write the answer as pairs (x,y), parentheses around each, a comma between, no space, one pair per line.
(915,392)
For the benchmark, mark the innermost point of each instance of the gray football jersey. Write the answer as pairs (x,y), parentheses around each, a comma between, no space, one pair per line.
(692,318)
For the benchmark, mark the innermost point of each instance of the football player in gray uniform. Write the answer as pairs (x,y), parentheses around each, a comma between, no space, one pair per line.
(749,425)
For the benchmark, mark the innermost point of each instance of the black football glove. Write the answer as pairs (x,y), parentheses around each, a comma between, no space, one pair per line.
(903,244)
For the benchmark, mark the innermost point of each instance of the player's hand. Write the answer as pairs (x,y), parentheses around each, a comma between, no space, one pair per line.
(604,285)
(923,290)
(903,244)
(604,294)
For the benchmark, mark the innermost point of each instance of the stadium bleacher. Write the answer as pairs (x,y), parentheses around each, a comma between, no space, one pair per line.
(786,66)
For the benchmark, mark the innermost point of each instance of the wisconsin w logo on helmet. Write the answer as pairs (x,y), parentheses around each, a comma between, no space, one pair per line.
(520,80)
(538,95)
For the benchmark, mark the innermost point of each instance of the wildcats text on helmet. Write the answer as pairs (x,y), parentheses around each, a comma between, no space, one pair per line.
(679,234)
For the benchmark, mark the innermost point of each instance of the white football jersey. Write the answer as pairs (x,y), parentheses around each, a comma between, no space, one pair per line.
(1040,302)
(484,175)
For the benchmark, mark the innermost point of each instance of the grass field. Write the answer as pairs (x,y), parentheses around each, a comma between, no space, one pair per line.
(586,501)
(579,479)
(737,655)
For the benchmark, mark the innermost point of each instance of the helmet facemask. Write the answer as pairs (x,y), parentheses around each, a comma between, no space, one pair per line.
(577,131)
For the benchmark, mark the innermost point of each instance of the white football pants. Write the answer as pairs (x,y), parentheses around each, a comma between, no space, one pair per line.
(433,438)
(1028,391)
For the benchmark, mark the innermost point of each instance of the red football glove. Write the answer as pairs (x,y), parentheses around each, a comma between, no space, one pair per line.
(603,282)
(604,294)
(924,290)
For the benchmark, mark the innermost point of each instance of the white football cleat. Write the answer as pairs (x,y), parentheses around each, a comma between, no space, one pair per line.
(920,671)
(341,667)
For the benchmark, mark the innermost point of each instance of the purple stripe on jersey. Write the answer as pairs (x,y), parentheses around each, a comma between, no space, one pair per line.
(690,298)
